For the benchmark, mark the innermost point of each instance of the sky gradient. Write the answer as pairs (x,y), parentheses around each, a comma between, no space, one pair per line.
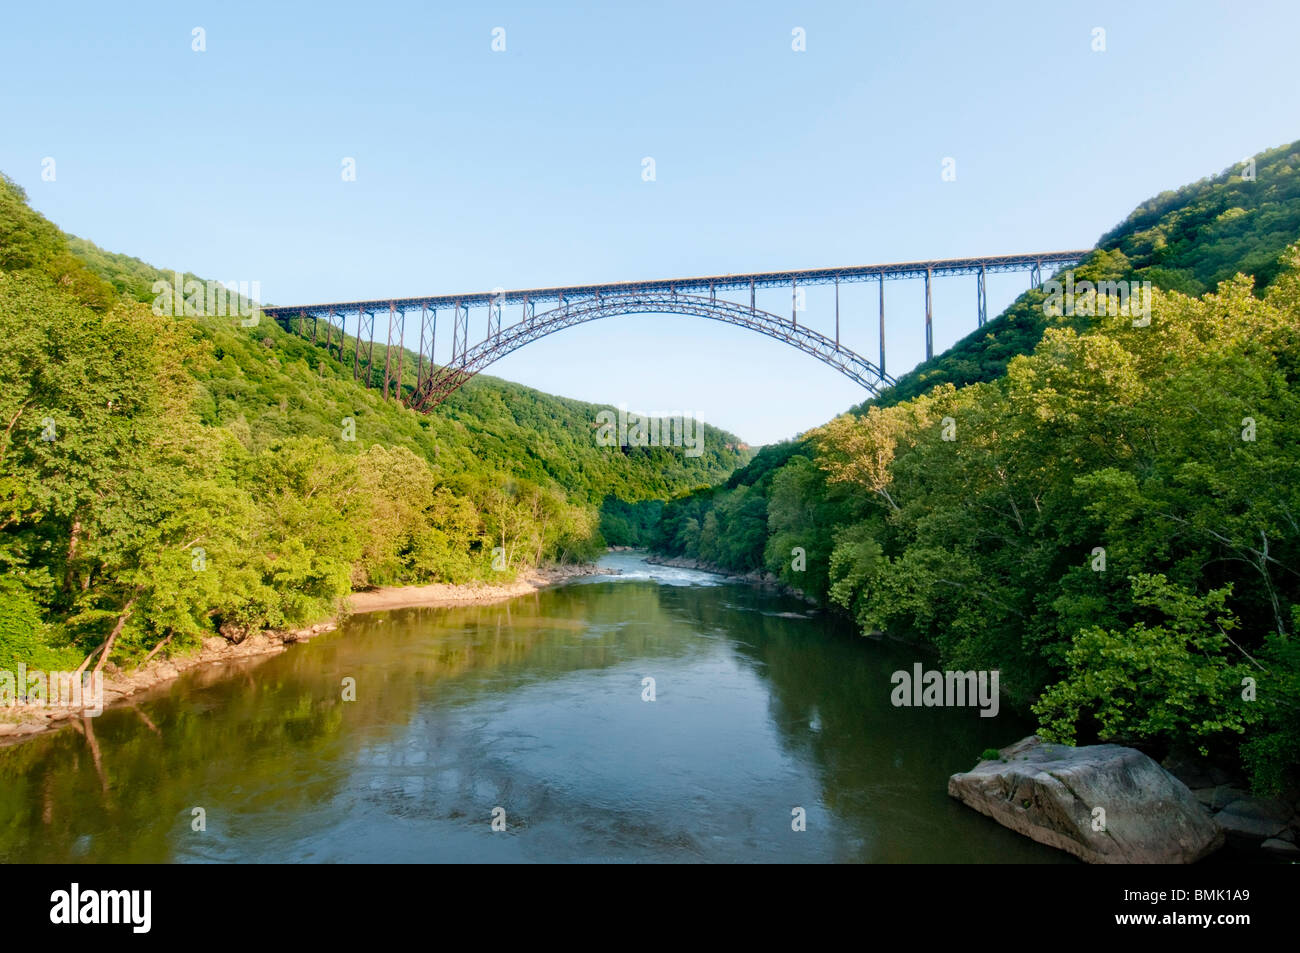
(478,169)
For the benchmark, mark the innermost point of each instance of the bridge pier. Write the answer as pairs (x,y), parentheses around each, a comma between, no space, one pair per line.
(982,298)
(388,346)
(837,314)
(388,350)
(370,352)
(929,319)
(356,351)
(459,332)
(425,329)
(882,323)
(401,351)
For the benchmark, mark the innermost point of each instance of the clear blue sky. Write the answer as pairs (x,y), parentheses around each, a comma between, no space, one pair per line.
(478,169)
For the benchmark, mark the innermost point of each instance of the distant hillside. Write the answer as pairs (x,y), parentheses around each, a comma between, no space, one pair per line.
(278,384)
(1186,240)
(166,477)
(1103,513)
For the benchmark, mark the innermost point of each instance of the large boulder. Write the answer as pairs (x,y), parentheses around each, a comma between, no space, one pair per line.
(1052,792)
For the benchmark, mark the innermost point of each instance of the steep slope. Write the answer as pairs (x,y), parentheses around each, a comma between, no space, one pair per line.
(1186,240)
(278,384)
(1104,513)
(164,477)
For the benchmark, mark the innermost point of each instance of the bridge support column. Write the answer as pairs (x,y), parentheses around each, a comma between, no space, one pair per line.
(929,319)
(401,351)
(982,296)
(881,281)
(794,301)
(751,294)
(1036,275)
(356,351)
(370,352)
(388,346)
(426,330)
(837,314)
(459,332)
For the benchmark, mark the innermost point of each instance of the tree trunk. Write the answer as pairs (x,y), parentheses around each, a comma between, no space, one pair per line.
(117,629)
(155,651)
(93,652)
(72,552)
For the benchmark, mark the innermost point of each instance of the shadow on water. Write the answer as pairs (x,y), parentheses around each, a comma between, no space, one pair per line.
(534,706)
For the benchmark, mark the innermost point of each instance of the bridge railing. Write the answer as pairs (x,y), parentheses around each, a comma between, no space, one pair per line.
(363,312)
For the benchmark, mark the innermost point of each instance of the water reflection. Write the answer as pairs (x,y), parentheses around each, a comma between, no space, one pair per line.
(534,706)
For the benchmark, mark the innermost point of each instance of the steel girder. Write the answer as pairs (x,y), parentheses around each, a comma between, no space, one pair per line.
(428,333)
(442,382)
(938,268)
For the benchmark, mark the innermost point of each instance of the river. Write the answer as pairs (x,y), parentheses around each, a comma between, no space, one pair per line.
(534,713)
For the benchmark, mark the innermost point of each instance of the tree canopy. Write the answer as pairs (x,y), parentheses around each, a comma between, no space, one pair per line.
(1108,514)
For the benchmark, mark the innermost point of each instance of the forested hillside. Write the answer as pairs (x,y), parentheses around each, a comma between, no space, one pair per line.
(163,478)
(1187,240)
(1108,514)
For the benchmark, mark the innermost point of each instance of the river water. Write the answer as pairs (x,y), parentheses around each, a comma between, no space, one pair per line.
(533,712)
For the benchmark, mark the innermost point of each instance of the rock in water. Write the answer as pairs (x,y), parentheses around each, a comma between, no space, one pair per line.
(1052,792)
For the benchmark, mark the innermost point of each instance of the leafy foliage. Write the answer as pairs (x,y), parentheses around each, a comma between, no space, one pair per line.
(170,477)
(1107,514)
(1187,240)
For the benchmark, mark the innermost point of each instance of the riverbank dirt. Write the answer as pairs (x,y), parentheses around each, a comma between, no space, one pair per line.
(120,687)
(472,594)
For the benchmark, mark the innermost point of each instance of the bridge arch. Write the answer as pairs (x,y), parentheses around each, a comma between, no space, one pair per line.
(442,382)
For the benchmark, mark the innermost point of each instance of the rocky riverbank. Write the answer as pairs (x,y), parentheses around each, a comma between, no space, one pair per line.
(1267,824)
(1109,804)
(21,722)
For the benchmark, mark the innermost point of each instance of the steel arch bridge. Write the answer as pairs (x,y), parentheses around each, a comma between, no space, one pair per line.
(449,377)
(579,304)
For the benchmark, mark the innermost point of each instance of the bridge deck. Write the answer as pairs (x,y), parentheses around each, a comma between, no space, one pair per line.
(768,279)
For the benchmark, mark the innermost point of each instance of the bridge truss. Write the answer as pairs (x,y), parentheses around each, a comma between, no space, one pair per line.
(578,304)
